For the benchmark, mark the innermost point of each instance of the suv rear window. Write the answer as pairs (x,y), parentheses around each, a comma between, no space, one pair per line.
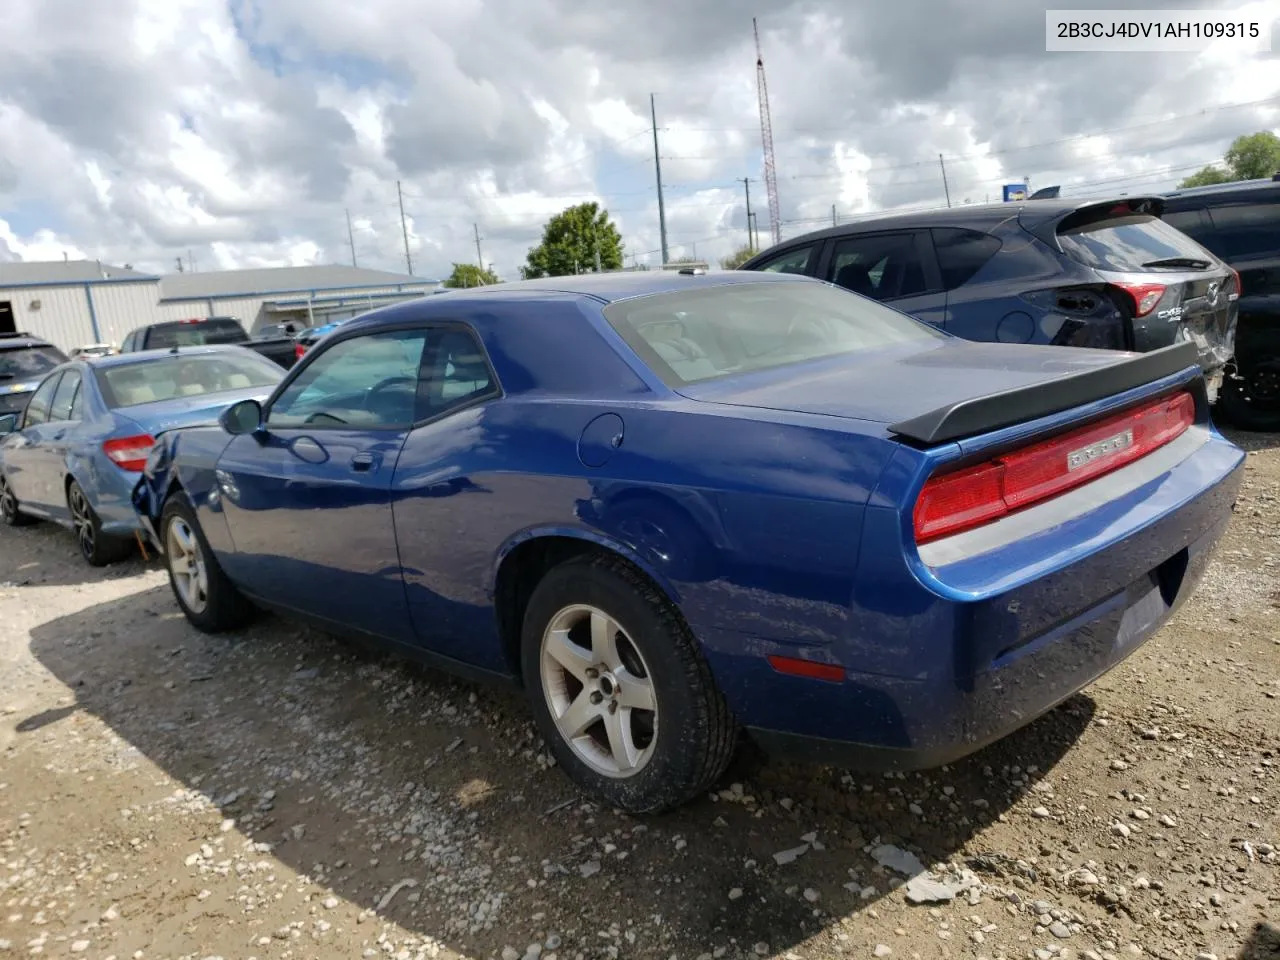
(179,334)
(1125,243)
(27,363)
(696,335)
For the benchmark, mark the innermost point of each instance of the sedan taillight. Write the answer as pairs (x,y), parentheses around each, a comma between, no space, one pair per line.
(129,453)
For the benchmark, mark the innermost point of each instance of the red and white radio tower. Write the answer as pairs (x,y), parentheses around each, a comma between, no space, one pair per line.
(766,140)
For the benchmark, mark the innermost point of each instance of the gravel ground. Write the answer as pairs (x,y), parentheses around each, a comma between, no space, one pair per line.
(281,794)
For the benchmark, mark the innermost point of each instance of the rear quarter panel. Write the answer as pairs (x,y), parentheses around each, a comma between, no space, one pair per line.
(751,525)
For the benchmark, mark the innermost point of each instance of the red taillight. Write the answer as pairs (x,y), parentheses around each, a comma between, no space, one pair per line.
(1239,284)
(1145,296)
(192,320)
(298,351)
(976,495)
(809,669)
(129,453)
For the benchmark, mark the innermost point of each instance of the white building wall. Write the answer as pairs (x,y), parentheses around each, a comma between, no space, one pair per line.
(123,307)
(58,314)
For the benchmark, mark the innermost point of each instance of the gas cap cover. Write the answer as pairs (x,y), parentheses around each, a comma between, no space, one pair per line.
(599,439)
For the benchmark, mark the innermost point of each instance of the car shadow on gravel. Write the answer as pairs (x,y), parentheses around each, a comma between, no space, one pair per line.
(362,771)
(45,555)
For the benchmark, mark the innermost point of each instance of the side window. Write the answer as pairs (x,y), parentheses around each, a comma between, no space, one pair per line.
(64,397)
(127,346)
(882,266)
(456,373)
(41,400)
(369,381)
(793,261)
(1248,230)
(962,253)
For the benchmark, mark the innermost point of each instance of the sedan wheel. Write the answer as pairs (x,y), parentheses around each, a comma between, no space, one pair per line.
(9,511)
(186,565)
(620,689)
(598,688)
(97,548)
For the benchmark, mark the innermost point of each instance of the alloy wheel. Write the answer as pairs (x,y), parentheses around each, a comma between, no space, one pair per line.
(8,502)
(599,691)
(82,521)
(187,565)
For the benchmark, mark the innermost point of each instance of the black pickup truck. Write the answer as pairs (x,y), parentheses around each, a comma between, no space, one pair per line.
(198,331)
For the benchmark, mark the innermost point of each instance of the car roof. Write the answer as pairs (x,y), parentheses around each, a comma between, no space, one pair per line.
(1225,190)
(145,356)
(612,287)
(21,341)
(978,216)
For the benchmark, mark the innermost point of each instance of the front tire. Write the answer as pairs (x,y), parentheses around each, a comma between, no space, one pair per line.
(207,597)
(10,510)
(97,548)
(620,690)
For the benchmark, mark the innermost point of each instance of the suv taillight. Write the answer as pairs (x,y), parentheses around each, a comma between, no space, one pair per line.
(952,502)
(1144,296)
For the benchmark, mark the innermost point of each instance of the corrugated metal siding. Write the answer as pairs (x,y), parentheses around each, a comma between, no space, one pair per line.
(123,307)
(62,316)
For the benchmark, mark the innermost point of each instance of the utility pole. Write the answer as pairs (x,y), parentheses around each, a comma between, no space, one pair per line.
(351,239)
(657,169)
(833,215)
(944,179)
(191,260)
(408,262)
(746,186)
(179,259)
(753,229)
(479,255)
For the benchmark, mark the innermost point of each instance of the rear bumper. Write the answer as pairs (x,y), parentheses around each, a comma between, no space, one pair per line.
(956,676)
(940,722)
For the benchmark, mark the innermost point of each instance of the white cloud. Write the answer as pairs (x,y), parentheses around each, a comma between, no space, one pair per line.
(243,130)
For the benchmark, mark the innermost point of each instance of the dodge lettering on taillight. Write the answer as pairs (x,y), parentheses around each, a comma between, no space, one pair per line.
(1102,448)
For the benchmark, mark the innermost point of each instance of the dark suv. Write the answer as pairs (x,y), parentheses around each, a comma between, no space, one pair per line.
(24,360)
(1096,273)
(1240,222)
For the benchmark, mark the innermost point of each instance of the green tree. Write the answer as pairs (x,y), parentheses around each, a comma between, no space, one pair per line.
(1252,156)
(469,275)
(740,256)
(571,240)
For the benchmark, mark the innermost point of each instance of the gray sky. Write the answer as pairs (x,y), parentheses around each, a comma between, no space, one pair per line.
(137,130)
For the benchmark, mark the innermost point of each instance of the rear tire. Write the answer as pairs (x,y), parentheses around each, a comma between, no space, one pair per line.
(619,688)
(97,548)
(1239,407)
(10,510)
(209,600)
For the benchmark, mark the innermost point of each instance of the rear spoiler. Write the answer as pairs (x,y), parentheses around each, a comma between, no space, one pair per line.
(984,414)
(1045,226)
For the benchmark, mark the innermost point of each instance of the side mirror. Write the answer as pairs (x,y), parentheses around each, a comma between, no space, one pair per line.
(8,423)
(242,417)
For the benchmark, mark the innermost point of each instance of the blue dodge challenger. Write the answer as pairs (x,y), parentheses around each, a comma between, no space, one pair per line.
(677,508)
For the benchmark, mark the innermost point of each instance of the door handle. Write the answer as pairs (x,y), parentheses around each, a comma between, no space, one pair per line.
(362,461)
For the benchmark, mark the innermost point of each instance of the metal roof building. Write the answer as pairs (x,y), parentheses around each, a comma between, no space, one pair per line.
(84,301)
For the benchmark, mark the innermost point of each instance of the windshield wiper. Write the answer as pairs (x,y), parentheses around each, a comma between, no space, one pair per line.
(1194,263)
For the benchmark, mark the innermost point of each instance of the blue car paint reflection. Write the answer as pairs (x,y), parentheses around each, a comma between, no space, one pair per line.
(772,509)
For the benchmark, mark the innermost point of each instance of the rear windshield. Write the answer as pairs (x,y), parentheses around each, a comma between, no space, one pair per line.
(696,335)
(27,363)
(165,335)
(147,381)
(1126,244)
